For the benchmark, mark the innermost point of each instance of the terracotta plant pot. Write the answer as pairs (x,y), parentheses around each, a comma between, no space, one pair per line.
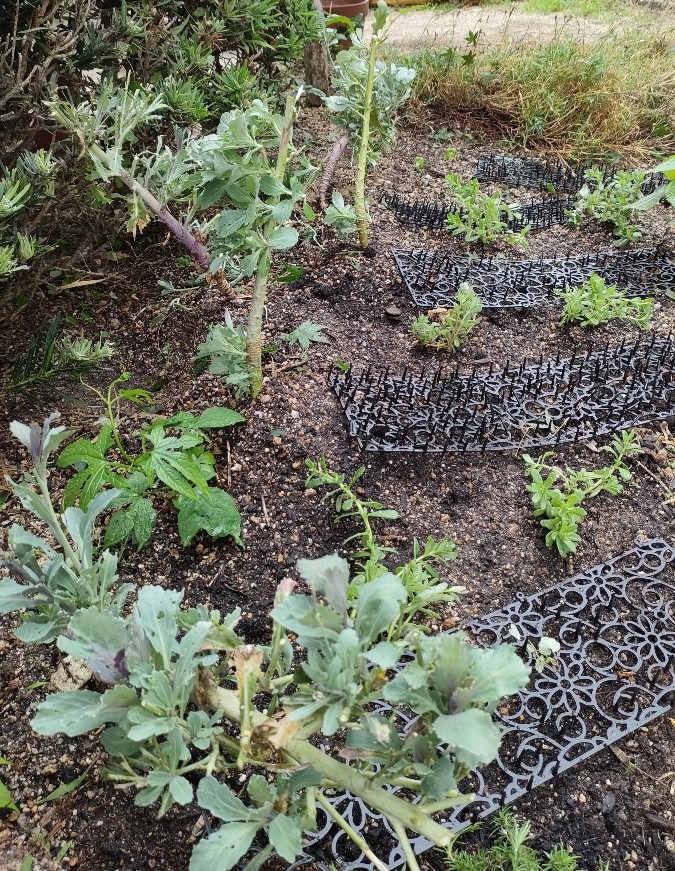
(348,8)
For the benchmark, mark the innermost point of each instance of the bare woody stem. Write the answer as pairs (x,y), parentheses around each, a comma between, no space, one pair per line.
(211,697)
(329,166)
(194,246)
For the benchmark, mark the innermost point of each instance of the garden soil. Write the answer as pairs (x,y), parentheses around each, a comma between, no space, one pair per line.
(618,805)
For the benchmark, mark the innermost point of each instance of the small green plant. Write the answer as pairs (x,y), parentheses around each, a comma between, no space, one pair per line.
(449,327)
(341,215)
(419,576)
(304,335)
(596,302)
(559,507)
(610,202)
(224,353)
(7,803)
(481,217)
(50,361)
(543,653)
(450,154)
(420,163)
(368,93)
(510,852)
(49,584)
(173,460)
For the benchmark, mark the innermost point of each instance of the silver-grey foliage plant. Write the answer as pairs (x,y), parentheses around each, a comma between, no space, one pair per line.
(186,699)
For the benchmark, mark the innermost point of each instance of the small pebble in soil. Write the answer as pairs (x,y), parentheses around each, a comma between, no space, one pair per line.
(393,313)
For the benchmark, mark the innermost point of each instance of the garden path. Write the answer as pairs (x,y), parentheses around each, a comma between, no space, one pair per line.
(441,28)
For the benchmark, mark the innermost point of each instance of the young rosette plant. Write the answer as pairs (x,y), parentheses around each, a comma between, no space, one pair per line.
(596,302)
(368,94)
(610,201)
(188,701)
(49,584)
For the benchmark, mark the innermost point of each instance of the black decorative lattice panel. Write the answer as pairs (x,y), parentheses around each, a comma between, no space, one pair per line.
(532,405)
(536,215)
(432,277)
(614,673)
(544,175)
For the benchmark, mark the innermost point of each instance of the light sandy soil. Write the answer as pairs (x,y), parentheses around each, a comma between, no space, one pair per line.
(442,28)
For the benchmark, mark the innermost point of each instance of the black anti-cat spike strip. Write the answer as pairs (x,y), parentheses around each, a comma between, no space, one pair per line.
(433,216)
(544,175)
(550,726)
(432,278)
(536,404)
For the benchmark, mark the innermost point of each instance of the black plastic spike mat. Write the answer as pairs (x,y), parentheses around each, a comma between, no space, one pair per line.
(532,405)
(614,673)
(547,174)
(433,277)
(538,215)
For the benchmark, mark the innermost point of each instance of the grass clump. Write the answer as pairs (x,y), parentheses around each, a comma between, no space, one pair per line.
(581,101)
(511,853)
(445,329)
(595,302)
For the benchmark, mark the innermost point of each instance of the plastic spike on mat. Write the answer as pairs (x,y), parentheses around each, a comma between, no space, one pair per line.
(547,175)
(537,215)
(613,674)
(538,404)
(433,277)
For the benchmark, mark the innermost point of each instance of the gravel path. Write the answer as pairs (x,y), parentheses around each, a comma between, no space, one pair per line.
(441,28)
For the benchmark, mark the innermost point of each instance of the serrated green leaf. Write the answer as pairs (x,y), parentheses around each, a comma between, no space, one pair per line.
(304,334)
(218,417)
(216,514)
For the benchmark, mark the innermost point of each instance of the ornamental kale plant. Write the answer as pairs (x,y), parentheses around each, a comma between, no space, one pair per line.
(170,712)
(560,507)
(368,93)
(481,217)
(610,202)
(186,700)
(595,302)
(445,329)
(173,460)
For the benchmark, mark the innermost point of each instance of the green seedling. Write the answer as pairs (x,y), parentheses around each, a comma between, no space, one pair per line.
(481,217)
(446,329)
(596,302)
(559,507)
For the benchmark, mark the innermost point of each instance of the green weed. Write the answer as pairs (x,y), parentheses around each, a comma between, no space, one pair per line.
(596,302)
(453,325)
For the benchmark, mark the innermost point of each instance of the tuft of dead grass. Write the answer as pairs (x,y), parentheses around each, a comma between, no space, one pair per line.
(580,101)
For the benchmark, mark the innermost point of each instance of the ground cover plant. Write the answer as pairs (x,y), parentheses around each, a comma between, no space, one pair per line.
(559,507)
(446,329)
(610,201)
(481,217)
(143,297)
(595,302)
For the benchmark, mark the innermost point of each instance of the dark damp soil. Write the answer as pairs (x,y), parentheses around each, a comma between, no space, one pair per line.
(617,807)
